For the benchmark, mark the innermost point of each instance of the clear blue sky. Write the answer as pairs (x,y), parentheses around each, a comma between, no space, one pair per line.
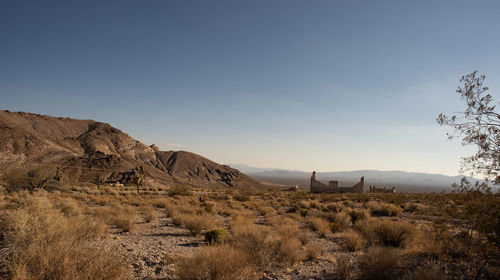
(323,85)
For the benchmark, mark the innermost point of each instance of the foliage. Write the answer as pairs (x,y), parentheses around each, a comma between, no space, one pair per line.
(478,125)
(37,177)
(218,235)
(97,180)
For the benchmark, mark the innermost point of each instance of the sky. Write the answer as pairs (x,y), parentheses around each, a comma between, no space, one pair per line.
(303,85)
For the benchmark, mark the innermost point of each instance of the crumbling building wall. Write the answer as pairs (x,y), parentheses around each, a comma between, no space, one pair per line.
(332,187)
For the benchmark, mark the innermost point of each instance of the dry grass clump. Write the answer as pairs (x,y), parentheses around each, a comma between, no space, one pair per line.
(379,263)
(394,234)
(197,223)
(41,242)
(386,232)
(216,236)
(313,251)
(268,245)
(68,206)
(425,273)
(353,241)
(385,209)
(339,221)
(319,225)
(358,214)
(149,214)
(343,268)
(122,217)
(215,263)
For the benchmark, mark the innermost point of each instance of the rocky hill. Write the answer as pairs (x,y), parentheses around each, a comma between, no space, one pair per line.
(86,148)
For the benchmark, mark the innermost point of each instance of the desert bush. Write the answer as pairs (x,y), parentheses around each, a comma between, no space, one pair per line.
(334,207)
(122,217)
(319,225)
(358,214)
(197,223)
(411,207)
(32,178)
(313,251)
(241,197)
(394,234)
(68,206)
(266,245)
(40,242)
(379,263)
(124,222)
(179,190)
(216,236)
(342,219)
(384,209)
(208,206)
(343,268)
(353,241)
(303,212)
(385,232)
(426,273)
(215,263)
(149,214)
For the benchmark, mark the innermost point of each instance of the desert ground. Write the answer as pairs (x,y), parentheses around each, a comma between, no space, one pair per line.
(120,232)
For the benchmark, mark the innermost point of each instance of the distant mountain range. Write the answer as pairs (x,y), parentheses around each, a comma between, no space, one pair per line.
(402,180)
(82,149)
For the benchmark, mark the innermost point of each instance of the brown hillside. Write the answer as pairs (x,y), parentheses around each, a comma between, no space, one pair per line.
(84,148)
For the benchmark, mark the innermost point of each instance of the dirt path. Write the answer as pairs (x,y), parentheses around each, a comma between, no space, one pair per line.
(153,247)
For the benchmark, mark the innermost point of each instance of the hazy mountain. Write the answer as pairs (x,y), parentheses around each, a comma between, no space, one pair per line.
(404,181)
(84,148)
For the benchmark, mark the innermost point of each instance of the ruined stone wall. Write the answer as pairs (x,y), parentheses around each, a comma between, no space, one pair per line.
(332,187)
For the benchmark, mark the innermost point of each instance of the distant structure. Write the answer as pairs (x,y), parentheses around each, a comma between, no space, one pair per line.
(293,189)
(332,187)
(374,189)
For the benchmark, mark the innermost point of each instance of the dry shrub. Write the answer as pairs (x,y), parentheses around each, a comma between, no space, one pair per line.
(342,219)
(209,206)
(215,263)
(385,209)
(40,242)
(122,217)
(320,225)
(179,191)
(358,214)
(343,268)
(149,214)
(379,263)
(197,223)
(265,210)
(159,203)
(394,233)
(334,207)
(216,236)
(389,233)
(304,204)
(425,273)
(171,210)
(266,245)
(367,229)
(423,243)
(353,241)
(68,206)
(313,251)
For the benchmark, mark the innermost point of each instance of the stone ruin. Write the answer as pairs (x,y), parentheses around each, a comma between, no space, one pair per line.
(374,189)
(332,187)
